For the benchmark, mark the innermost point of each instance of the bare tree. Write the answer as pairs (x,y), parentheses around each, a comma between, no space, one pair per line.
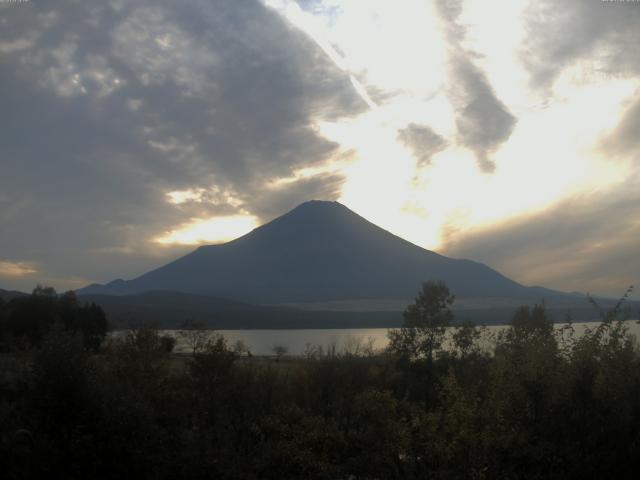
(280,351)
(195,334)
(240,347)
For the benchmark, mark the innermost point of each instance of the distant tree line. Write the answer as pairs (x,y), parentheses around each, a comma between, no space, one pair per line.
(27,320)
(531,402)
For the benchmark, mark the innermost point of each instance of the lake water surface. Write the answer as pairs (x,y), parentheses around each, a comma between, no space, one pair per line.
(297,342)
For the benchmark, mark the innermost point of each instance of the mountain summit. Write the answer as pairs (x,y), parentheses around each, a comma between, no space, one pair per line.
(320,251)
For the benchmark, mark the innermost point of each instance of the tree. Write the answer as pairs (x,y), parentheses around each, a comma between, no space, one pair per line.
(279,351)
(465,338)
(532,321)
(530,333)
(46,292)
(167,343)
(93,325)
(89,320)
(195,334)
(210,367)
(425,323)
(29,318)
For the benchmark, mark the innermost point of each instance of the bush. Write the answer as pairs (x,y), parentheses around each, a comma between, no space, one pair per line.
(536,406)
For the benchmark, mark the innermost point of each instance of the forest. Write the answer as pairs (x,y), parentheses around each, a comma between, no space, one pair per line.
(443,401)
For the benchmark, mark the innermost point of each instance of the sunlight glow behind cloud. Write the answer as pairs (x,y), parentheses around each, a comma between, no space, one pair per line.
(213,230)
(16,269)
(182,196)
(400,52)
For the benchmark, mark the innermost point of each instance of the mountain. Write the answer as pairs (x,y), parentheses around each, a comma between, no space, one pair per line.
(8,295)
(319,252)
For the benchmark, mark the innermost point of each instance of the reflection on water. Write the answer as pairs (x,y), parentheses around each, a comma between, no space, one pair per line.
(297,342)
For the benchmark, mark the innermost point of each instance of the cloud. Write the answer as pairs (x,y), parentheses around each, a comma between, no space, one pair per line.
(624,140)
(284,197)
(560,34)
(158,51)
(483,121)
(586,244)
(16,269)
(16,45)
(114,105)
(423,142)
(215,230)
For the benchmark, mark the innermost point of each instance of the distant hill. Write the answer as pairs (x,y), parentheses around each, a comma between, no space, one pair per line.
(320,252)
(169,309)
(7,295)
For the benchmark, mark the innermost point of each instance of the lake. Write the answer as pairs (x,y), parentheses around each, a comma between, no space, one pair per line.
(297,342)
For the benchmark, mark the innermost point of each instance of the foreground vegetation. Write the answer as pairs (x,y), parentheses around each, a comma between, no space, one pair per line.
(538,404)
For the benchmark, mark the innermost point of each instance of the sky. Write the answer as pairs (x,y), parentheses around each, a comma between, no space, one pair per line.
(132,131)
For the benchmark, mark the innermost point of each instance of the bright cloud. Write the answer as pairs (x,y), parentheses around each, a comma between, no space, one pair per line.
(16,269)
(213,230)
(183,196)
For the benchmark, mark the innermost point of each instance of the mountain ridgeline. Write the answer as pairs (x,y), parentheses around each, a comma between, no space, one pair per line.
(318,252)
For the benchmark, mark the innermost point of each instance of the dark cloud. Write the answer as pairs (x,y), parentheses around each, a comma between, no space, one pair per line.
(561,33)
(625,139)
(583,244)
(107,106)
(423,142)
(287,196)
(482,120)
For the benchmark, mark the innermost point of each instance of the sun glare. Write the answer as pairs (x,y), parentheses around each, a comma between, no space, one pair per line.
(179,197)
(397,60)
(395,49)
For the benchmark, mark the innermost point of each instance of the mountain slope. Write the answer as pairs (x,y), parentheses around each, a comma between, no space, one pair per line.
(7,295)
(320,251)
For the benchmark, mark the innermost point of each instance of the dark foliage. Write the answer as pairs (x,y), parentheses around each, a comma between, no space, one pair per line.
(26,321)
(531,402)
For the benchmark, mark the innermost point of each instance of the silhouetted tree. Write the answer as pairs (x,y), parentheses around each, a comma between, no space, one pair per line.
(45,292)
(87,320)
(195,334)
(28,319)
(167,343)
(425,322)
(465,338)
(279,351)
